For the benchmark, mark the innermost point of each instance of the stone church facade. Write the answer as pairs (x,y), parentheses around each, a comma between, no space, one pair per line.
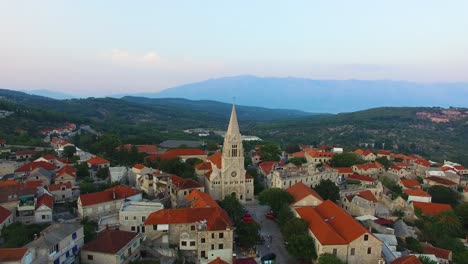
(228,175)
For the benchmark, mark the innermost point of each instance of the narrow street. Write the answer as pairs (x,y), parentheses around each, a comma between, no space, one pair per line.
(269,228)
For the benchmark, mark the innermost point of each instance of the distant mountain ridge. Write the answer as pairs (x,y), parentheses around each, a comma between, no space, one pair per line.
(319,96)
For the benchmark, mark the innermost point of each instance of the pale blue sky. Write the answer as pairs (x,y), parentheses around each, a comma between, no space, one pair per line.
(104,47)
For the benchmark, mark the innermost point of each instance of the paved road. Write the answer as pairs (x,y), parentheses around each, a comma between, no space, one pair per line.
(269,228)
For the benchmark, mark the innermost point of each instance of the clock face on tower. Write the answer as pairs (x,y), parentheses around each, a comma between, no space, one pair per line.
(233,174)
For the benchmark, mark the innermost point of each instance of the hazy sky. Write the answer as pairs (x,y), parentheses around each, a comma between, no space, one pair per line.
(108,47)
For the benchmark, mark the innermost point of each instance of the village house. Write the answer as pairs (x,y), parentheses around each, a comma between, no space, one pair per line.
(155,184)
(62,192)
(25,154)
(303,195)
(58,243)
(420,166)
(372,169)
(384,153)
(399,171)
(417,195)
(112,247)
(107,202)
(443,256)
(335,232)
(202,169)
(360,203)
(344,171)
(368,155)
(286,176)
(364,180)
(97,163)
(132,215)
(40,174)
(409,184)
(431,208)
(410,259)
(459,169)
(15,256)
(44,208)
(65,174)
(26,169)
(315,157)
(433,180)
(6,218)
(181,188)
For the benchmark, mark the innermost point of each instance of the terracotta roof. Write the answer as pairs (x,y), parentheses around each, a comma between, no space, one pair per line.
(384,152)
(407,260)
(416,192)
(432,208)
(174,153)
(397,168)
(359,151)
(149,149)
(49,157)
(440,180)
(36,164)
(139,166)
(8,183)
(216,159)
(319,154)
(121,192)
(438,252)
(368,166)
(459,167)
(12,254)
(216,218)
(218,260)
(299,154)
(97,161)
(46,200)
(331,224)
(203,166)
(33,184)
(267,166)
(368,195)
(361,178)
(403,157)
(58,187)
(67,169)
(199,199)
(299,191)
(4,214)
(367,153)
(344,170)
(110,241)
(410,183)
(402,164)
(423,162)
(184,184)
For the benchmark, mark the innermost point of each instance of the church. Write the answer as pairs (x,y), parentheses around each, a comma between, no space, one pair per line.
(227,175)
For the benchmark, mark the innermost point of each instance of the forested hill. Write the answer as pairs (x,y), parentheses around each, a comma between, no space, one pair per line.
(433,132)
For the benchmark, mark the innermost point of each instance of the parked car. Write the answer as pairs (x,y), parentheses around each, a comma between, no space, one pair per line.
(270,216)
(247,218)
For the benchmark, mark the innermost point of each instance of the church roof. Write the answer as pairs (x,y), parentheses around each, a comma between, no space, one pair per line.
(233,128)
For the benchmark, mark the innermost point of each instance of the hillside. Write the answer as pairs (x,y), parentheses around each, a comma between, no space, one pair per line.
(322,96)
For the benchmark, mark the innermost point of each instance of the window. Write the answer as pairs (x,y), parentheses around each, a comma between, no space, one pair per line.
(220,246)
(74,236)
(43,217)
(126,218)
(129,251)
(134,217)
(352,251)
(335,251)
(221,235)
(90,257)
(192,243)
(143,218)
(184,243)
(133,228)
(369,250)
(212,235)
(155,227)
(203,254)
(203,240)
(143,229)
(366,237)
(212,246)
(192,227)
(63,196)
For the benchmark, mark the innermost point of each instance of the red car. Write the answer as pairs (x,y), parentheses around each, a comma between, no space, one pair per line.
(247,218)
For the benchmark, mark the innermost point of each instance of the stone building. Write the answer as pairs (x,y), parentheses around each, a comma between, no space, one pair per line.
(360,203)
(132,215)
(286,176)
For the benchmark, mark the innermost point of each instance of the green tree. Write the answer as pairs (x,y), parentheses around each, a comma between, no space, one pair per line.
(384,161)
(328,190)
(275,198)
(298,161)
(302,247)
(248,234)
(460,256)
(270,152)
(329,259)
(103,173)
(19,234)
(413,244)
(82,170)
(89,229)
(284,214)
(462,212)
(427,260)
(442,194)
(233,208)
(346,159)
(293,227)
(291,148)
(69,151)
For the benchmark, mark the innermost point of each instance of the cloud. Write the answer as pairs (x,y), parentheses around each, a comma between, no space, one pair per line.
(123,57)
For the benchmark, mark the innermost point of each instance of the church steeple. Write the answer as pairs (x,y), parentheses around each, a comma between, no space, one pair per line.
(233,128)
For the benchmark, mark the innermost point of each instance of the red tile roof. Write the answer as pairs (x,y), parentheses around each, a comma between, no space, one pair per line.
(33,184)
(359,151)
(438,252)
(216,159)
(299,191)
(402,164)
(416,192)
(299,154)
(267,166)
(97,161)
(204,166)
(441,181)
(368,195)
(12,254)
(139,166)
(218,260)
(46,200)
(174,153)
(344,170)
(148,149)
(423,162)
(58,187)
(199,199)
(384,152)
(331,224)
(359,177)
(403,157)
(432,208)
(216,218)
(8,183)
(319,154)
(407,260)
(368,166)
(185,184)
(367,153)
(36,164)
(121,192)
(410,183)
(4,214)
(110,241)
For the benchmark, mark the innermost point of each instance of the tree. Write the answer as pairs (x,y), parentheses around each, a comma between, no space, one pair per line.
(275,198)
(329,259)
(248,234)
(384,161)
(442,194)
(328,190)
(103,173)
(233,208)
(19,234)
(291,148)
(302,247)
(298,161)
(293,227)
(284,214)
(427,260)
(346,159)
(89,229)
(82,170)
(462,212)
(270,152)
(69,151)
(413,244)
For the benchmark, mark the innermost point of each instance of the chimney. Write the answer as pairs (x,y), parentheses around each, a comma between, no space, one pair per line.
(113,193)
